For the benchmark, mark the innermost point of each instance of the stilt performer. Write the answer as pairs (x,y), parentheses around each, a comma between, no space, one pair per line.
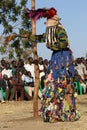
(58,96)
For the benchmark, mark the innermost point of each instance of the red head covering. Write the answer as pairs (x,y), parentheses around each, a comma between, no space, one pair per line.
(40,13)
(50,13)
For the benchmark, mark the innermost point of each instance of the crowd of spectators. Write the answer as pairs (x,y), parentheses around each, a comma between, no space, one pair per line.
(81,72)
(17,77)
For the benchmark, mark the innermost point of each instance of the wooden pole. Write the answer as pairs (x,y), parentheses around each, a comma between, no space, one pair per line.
(36,87)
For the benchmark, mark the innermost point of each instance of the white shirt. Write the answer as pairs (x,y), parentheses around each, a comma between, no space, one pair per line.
(30,68)
(80,67)
(7,72)
(41,67)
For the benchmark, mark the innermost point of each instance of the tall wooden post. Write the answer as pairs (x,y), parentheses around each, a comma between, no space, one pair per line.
(36,87)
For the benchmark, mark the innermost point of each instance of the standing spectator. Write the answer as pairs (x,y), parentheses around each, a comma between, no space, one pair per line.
(14,67)
(12,86)
(3,63)
(19,86)
(20,66)
(7,70)
(30,67)
(28,83)
(46,64)
(2,66)
(41,71)
(41,67)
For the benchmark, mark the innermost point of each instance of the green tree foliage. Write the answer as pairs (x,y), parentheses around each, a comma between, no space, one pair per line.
(14,20)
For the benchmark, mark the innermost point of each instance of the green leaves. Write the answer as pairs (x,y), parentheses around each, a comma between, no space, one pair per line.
(2,49)
(16,43)
(23,2)
(11,11)
(13,20)
(19,51)
(8,28)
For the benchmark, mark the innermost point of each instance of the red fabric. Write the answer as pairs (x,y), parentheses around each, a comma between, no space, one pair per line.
(40,13)
(51,12)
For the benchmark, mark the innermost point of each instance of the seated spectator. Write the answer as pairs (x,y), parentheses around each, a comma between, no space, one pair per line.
(8,87)
(81,68)
(1,97)
(82,82)
(78,78)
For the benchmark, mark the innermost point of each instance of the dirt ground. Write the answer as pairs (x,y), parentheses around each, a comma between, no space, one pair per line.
(19,115)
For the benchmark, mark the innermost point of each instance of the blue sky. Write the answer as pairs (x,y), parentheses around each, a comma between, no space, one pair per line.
(73,14)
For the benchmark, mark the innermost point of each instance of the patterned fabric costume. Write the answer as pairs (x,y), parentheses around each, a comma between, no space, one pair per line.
(59,103)
(59,96)
(61,64)
(61,61)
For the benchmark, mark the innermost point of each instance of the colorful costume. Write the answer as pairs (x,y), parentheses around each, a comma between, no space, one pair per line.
(58,96)
(61,61)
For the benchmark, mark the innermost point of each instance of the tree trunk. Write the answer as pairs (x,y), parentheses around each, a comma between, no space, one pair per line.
(36,87)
